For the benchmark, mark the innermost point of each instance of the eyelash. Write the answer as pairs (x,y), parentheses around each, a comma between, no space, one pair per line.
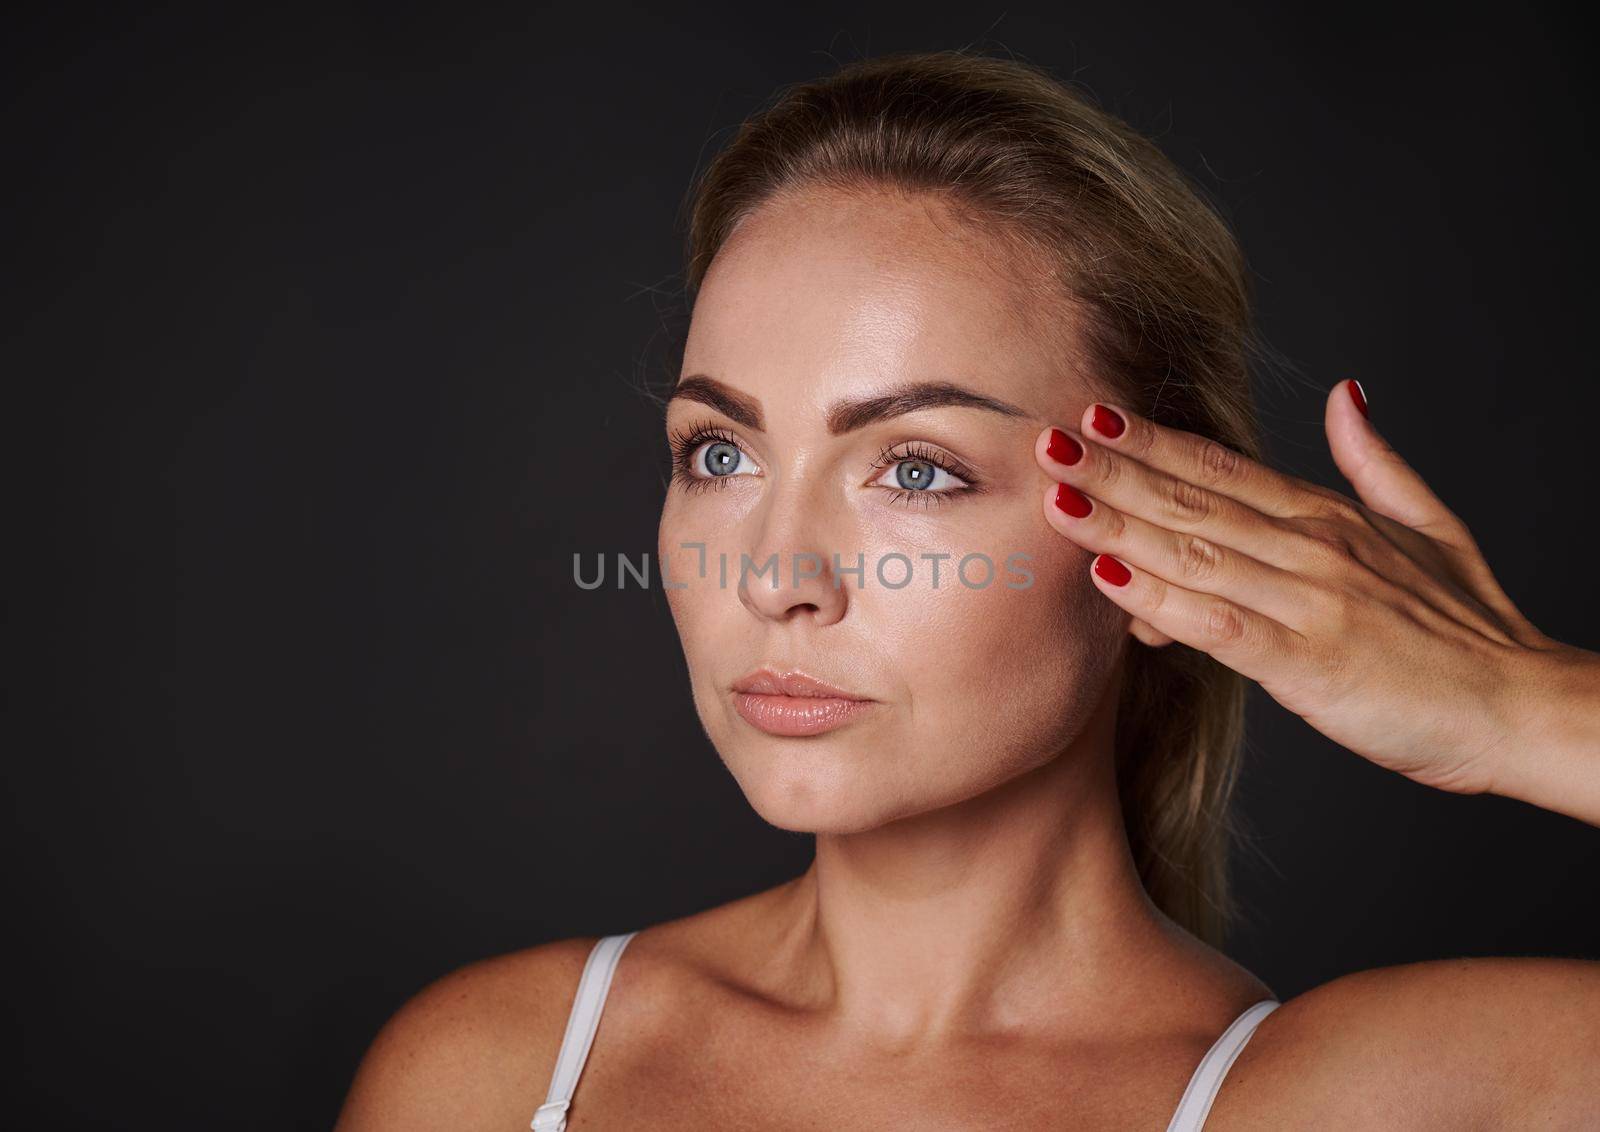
(684,443)
(915,450)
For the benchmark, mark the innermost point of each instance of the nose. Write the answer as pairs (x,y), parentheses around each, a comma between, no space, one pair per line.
(790,573)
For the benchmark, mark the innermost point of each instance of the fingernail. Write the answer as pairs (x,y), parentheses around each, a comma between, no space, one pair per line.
(1063,449)
(1111,570)
(1359,396)
(1072,501)
(1107,422)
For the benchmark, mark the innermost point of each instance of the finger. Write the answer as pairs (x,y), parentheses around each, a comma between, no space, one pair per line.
(1292,545)
(1382,478)
(1139,489)
(1195,561)
(1409,513)
(1198,460)
(1148,633)
(1247,642)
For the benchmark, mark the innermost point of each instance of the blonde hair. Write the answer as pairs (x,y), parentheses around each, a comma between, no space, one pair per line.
(1158,289)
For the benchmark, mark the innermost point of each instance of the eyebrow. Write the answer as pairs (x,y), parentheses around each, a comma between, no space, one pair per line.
(724,399)
(851,413)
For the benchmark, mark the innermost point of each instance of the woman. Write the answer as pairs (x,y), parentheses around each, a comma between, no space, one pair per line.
(946,313)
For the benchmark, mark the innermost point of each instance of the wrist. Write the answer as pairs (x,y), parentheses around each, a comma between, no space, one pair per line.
(1552,759)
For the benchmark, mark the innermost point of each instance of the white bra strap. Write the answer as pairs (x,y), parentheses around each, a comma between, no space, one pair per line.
(1207,1079)
(581,1025)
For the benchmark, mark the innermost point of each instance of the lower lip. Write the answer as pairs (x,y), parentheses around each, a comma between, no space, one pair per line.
(797,715)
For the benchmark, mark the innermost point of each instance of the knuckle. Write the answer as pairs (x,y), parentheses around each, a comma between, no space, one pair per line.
(1113,524)
(1327,558)
(1189,503)
(1140,438)
(1223,622)
(1331,507)
(1326,540)
(1108,472)
(1199,559)
(1217,462)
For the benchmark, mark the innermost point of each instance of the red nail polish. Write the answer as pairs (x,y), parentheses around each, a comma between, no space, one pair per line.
(1359,396)
(1111,570)
(1063,449)
(1072,501)
(1107,422)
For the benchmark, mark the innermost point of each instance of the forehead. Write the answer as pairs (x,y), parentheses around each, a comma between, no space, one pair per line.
(825,295)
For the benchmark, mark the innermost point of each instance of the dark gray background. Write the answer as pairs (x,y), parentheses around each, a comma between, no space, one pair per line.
(327,335)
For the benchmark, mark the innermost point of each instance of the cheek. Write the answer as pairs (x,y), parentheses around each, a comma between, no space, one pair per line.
(1015,672)
(697,552)
(682,567)
(697,542)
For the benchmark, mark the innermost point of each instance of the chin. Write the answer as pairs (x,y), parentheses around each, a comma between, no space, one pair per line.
(805,787)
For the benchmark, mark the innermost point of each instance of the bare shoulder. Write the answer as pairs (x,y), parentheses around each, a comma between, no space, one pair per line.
(1459,1043)
(473,1049)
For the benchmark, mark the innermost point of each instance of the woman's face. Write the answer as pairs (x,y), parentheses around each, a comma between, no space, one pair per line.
(813,317)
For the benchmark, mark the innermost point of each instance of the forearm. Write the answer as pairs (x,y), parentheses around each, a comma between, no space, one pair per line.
(1554,759)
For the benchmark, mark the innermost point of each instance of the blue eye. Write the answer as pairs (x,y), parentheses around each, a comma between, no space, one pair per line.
(707,457)
(719,458)
(921,475)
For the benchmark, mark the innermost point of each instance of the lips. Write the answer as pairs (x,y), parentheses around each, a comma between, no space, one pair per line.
(794,704)
(765,682)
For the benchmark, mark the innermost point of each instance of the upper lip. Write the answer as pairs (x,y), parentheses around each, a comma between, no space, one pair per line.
(765,682)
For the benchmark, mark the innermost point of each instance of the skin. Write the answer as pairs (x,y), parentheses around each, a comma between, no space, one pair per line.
(971,945)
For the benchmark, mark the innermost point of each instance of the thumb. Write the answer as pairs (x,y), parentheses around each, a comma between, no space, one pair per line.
(1383,480)
(1392,489)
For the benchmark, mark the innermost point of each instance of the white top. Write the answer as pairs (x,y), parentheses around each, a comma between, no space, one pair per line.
(602,964)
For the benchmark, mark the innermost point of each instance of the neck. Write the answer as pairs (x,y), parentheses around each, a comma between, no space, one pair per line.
(1016,906)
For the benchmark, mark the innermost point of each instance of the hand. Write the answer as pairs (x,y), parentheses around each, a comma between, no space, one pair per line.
(1380,624)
